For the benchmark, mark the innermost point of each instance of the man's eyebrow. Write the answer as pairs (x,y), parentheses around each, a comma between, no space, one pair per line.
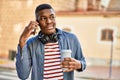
(52,15)
(42,16)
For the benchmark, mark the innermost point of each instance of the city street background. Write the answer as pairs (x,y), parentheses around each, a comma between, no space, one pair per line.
(96,23)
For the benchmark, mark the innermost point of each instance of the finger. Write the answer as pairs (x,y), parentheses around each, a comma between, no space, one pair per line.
(71,63)
(72,67)
(33,29)
(72,59)
(33,26)
(76,64)
(27,32)
(65,63)
(65,66)
(32,23)
(34,32)
(67,59)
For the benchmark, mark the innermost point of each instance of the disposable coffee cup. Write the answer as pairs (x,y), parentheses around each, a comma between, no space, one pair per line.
(65,53)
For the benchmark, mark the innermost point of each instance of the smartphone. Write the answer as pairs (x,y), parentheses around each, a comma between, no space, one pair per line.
(34,32)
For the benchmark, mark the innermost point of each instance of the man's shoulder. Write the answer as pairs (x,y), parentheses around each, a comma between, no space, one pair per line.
(68,34)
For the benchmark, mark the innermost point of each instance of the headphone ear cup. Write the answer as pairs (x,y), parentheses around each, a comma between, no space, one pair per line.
(53,37)
(48,38)
(44,39)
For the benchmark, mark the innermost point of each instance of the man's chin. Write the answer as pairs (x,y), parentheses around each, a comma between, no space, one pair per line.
(50,32)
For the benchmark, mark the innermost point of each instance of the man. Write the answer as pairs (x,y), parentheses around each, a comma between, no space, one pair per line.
(42,53)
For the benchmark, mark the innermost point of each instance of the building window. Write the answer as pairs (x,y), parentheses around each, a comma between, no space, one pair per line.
(107,35)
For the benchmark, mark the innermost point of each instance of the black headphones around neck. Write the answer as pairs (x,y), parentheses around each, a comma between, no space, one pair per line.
(48,38)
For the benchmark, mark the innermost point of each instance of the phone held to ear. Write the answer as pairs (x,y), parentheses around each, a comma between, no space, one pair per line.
(34,32)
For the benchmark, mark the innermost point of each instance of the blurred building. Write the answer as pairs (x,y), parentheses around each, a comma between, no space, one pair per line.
(95,22)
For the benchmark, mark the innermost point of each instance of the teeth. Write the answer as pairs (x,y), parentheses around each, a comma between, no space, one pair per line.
(50,27)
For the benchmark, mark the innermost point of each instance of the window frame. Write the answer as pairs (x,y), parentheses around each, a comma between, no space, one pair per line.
(107,34)
(115,29)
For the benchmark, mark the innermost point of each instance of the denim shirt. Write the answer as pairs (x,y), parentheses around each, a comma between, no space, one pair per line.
(31,57)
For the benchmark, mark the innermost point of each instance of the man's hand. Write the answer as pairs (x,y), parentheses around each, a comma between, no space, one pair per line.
(71,64)
(28,31)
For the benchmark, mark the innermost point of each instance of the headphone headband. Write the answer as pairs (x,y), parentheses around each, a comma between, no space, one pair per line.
(48,38)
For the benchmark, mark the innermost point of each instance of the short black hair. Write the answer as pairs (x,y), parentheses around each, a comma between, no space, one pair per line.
(41,7)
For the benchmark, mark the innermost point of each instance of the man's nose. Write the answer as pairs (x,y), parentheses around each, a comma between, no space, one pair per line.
(49,20)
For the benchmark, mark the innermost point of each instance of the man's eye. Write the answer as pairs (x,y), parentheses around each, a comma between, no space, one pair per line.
(43,18)
(52,17)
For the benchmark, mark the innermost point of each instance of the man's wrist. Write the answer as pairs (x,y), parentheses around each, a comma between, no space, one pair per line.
(22,42)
